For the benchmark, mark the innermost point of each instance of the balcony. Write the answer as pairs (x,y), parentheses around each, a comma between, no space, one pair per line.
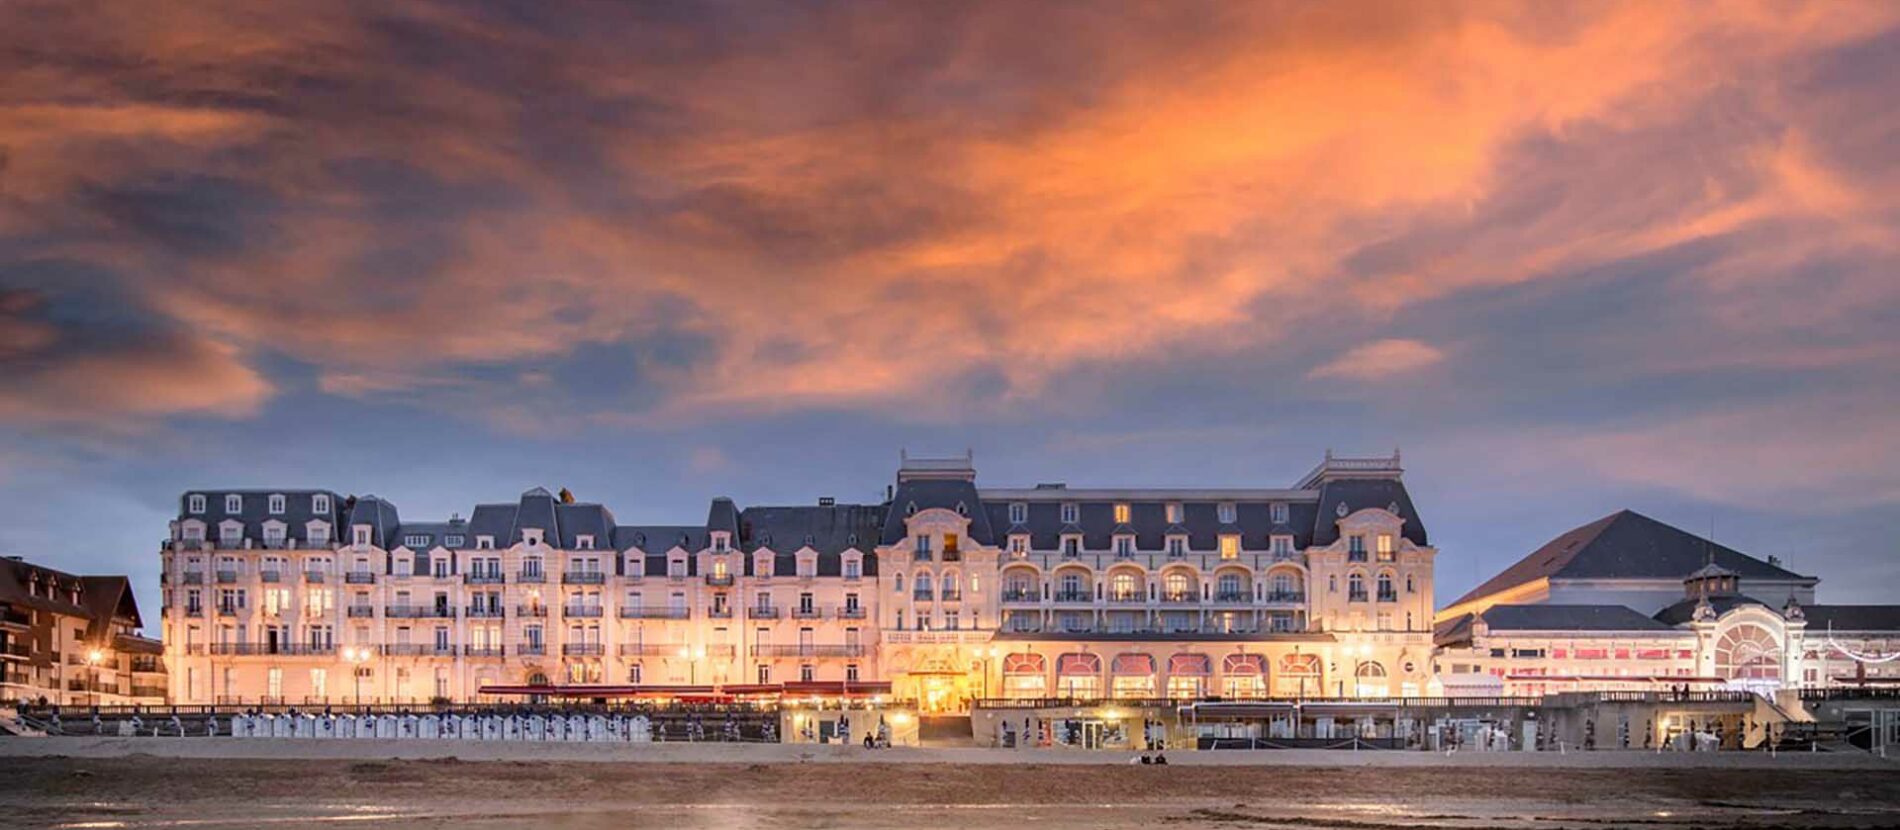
(359,578)
(418,650)
(1232,596)
(718,613)
(812,613)
(651,649)
(485,651)
(1180,597)
(584,578)
(1355,596)
(191,578)
(194,611)
(1286,596)
(531,576)
(360,611)
(313,577)
(583,650)
(849,650)
(227,610)
(719,580)
(1021,595)
(419,612)
(1388,596)
(762,612)
(148,665)
(484,579)
(951,596)
(851,613)
(923,595)
(653,612)
(586,611)
(271,576)
(291,649)
(531,610)
(483,612)
(227,577)
(1074,596)
(1127,596)
(148,691)
(535,649)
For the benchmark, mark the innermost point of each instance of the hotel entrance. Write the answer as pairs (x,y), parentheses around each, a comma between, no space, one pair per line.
(940,692)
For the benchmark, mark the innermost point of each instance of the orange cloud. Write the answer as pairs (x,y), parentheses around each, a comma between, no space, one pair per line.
(1380,359)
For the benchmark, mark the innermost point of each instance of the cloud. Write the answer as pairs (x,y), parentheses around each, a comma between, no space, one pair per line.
(807,210)
(1379,360)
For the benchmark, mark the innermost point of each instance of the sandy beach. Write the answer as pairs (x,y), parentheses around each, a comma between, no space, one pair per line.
(137,783)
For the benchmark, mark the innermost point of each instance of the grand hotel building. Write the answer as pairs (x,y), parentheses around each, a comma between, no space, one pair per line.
(944,593)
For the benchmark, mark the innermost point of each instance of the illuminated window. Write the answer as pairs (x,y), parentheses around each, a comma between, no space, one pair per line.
(1229,547)
(1121,514)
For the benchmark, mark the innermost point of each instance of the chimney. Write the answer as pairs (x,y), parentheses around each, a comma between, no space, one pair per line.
(827,501)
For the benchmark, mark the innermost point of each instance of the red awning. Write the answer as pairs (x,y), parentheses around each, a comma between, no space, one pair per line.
(823,688)
(1024,663)
(1187,665)
(600,690)
(1244,664)
(1079,664)
(1133,665)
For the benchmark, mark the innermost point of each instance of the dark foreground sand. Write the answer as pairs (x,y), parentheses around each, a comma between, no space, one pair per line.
(140,791)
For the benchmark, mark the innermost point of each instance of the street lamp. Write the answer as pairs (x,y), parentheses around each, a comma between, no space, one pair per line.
(985,656)
(692,656)
(92,663)
(356,657)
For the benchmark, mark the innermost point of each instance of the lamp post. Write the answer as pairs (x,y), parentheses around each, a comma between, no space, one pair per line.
(986,656)
(356,657)
(92,664)
(692,656)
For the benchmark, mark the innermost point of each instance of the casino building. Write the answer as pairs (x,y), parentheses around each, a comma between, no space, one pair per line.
(944,593)
(1628,603)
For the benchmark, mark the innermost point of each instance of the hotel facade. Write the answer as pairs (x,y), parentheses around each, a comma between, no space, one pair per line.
(945,593)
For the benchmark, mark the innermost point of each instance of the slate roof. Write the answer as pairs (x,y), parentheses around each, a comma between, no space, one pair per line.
(828,529)
(920,494)
(255,511)
(381,516)
(1683,610)
(1626,545)
(101,598)
(1852,617)
(1545,617)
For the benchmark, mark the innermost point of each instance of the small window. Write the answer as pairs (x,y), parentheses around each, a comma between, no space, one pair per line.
(1071,513)
(233,503)
(1226,511)
(584,543)
(1279,512)
(276,505)
(416,541)
(1019,544)
(320,503)
(1174,513)
(1230,547)
(1018,513)
(360,535)
(1121,514)
(454,541)
(484,543)
(195,503)
(532,536)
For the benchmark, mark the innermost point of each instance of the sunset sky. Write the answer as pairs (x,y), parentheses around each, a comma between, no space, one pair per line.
(1571,257)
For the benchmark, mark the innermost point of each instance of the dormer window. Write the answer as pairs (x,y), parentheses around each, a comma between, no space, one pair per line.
(1124,546)
(1282,546)
(1071,513)
(1177,546)
(234,503)
(1121,514)
(484,543)
(584,542)
(320,503)
(195,503)
(360,535)
(1018,513)
(676,567)
(721,542)
(1230,546)
(853,567)
(276,504)
(1385,547)
(1226,511)
(1071,545)
(1174,513)
(1279,513)
(532,536)
(416,541)
(1019,545)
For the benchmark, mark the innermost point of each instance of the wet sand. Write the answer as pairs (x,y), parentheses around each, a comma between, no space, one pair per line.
(763,786)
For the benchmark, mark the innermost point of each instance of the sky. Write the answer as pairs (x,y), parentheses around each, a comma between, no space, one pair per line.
(1571,258)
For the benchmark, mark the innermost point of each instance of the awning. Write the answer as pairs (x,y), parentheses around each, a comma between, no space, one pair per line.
(599,690)
(1079,664)
(1186,665)
(1132,665)
(1024,663)
(823,688)
(1255,664)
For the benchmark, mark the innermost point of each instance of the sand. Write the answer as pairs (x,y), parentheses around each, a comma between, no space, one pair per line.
(133,783)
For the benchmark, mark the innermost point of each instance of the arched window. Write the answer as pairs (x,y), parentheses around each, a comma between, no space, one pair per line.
(1356,588)
(1371,680)
(1748,652)
(1386,591)
(1177,583)
(1283,584)
(1124,586)
(1072,584)
(949,584)
(1229,586)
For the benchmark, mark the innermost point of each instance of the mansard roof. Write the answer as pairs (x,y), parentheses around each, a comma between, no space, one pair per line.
(381,517)
(828,529)
(655,539)
(1627,545)
(1683,610)
(1546,617)
(255,511)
